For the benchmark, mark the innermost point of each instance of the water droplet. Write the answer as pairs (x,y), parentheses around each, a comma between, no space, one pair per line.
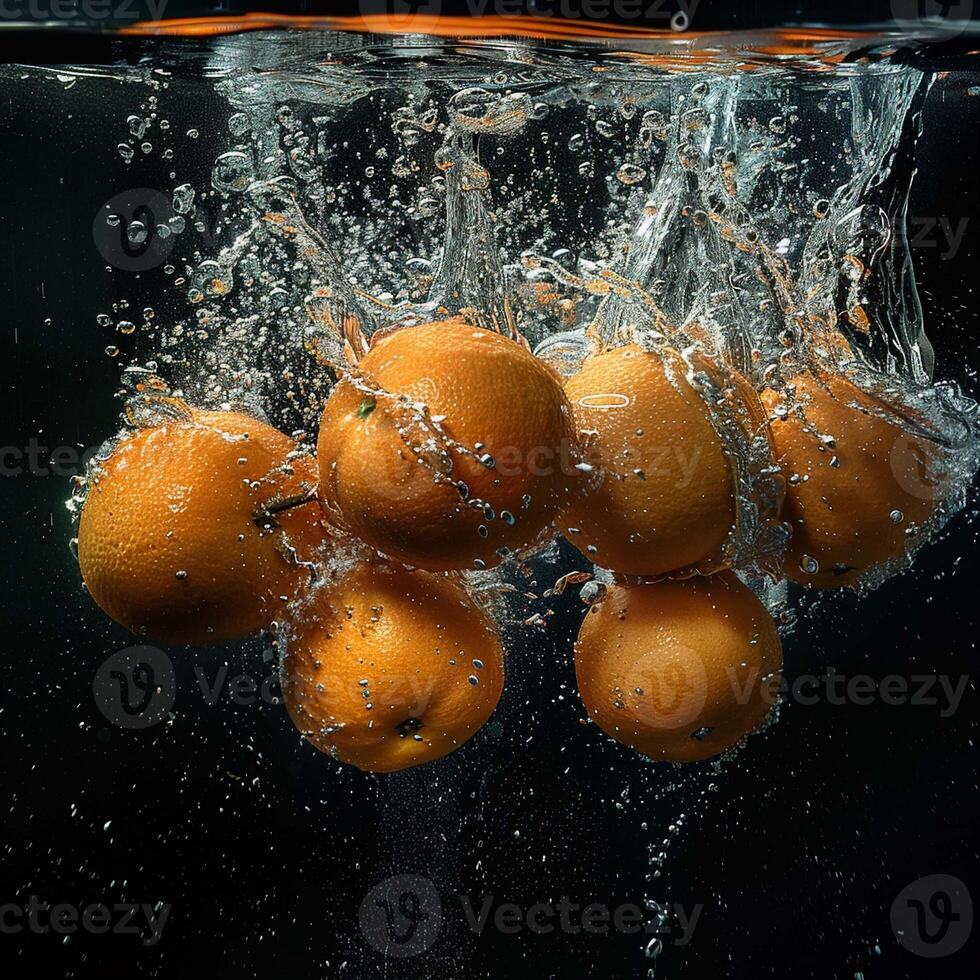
(183,199)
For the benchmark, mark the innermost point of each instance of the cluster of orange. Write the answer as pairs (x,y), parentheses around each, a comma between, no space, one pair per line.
(450,447)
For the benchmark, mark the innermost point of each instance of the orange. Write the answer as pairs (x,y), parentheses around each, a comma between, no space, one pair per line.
(679,670)
(175,541)
(663,497)
(859,487)
(391,668)
(449,446)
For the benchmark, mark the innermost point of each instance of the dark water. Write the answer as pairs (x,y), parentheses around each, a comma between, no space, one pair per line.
(787,861)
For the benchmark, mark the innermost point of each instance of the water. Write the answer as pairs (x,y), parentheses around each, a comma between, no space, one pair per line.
(275,201)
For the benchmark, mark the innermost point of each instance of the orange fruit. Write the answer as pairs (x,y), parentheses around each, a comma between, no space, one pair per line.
(175,541)
(857,484)
(450,443)
(391,668)
(679,670)
(663,499)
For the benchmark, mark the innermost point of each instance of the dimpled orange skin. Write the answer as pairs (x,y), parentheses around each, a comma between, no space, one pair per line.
(498,401)
(379,673)
(682,509)
(704,652)
(168,543)
(840,497)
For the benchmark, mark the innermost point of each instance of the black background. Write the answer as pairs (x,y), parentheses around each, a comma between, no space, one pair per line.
(265,849)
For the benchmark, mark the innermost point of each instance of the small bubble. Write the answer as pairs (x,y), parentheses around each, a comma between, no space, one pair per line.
(630,174)
(809,565)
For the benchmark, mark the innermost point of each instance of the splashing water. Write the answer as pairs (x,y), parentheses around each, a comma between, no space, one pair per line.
(741,224)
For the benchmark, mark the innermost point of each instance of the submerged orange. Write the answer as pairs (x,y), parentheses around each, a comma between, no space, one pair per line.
(859,487)
(391,668)
(176,541)
(663,497)
(679,670)
(450,445)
